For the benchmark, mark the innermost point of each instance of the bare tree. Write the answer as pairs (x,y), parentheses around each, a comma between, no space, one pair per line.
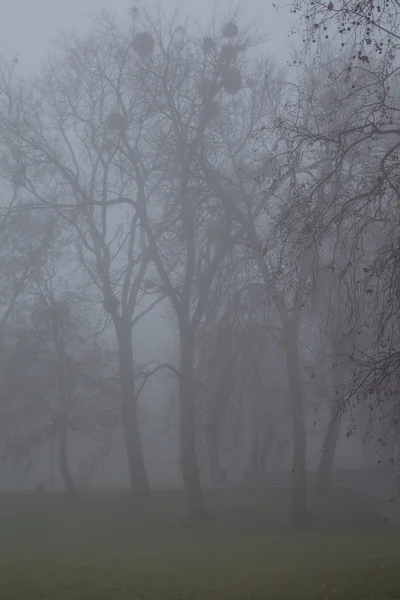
(25,241)
(354,109)
(24,244)
(57,382)
(70,129)
(287,297)
(191,83)
(359,24)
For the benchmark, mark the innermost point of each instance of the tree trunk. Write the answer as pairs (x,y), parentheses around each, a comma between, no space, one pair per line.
(63,457)
(195,502)
(296,400)
(325,467)
(139,484)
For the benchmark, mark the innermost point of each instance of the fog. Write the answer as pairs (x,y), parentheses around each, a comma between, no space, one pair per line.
(199,245)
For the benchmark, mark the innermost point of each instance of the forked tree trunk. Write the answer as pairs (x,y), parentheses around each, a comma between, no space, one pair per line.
(296,400)
(63,458)
(139,484)
(195,502)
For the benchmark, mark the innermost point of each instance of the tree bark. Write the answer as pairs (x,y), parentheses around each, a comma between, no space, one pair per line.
(195,502)
(296,400)
(63,458)
(139,484)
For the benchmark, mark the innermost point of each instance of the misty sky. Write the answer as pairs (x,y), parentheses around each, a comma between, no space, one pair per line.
(28,26)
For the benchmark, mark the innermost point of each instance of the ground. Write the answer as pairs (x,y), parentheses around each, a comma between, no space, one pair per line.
(97,548)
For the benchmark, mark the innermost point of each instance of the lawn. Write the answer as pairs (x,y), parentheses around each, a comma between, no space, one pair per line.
(97,548)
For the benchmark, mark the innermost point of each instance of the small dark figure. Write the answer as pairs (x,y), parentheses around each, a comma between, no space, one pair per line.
(40,487)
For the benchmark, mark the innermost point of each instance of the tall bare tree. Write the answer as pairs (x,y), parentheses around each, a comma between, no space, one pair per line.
(193,85)
(65,135)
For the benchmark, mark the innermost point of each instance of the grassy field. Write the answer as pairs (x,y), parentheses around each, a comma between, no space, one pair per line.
(96,548)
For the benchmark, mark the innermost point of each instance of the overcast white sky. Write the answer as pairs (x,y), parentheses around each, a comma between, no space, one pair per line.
(28,26)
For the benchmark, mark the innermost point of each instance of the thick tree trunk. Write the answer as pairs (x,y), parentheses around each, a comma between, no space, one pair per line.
(63,458)
(296,400)
(195,502)
(325,467)
(139,484)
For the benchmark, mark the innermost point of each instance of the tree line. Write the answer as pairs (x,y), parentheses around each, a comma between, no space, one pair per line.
(149,165)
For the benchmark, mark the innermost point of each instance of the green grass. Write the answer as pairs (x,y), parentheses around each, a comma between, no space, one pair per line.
(97,548)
